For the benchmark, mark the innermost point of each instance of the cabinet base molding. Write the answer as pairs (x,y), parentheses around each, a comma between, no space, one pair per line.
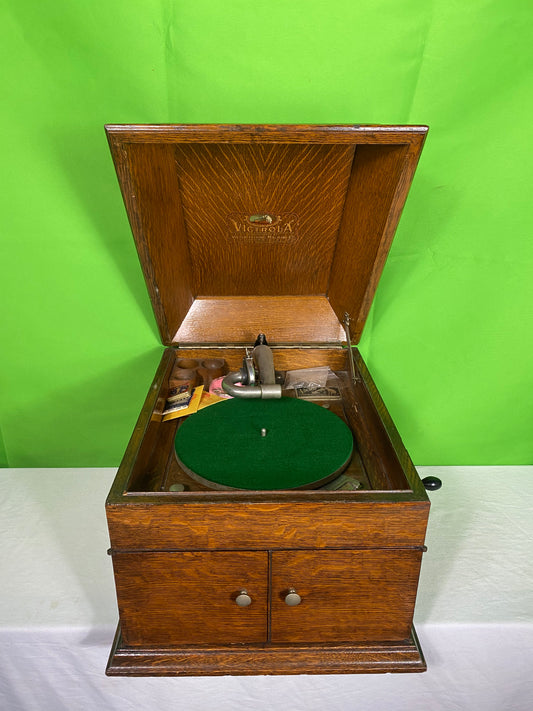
(256,660)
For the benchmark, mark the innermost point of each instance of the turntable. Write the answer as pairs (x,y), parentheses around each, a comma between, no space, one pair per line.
(264,441)
(280,528)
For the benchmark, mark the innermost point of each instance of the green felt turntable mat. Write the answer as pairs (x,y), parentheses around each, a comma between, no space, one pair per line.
(303,445)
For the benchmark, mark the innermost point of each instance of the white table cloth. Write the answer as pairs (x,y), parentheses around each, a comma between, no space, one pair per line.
(474,613)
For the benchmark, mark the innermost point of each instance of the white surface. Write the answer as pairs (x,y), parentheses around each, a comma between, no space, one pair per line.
(474,613)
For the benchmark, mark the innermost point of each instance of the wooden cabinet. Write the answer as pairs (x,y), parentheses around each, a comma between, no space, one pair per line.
(282,230)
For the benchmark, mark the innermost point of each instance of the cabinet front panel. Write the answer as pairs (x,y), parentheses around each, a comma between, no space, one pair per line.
(182,598)
(345,596)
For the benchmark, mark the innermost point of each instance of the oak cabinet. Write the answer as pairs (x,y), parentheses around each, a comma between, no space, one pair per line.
(282,230)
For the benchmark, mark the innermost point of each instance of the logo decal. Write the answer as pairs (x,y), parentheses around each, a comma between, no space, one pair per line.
(263,227)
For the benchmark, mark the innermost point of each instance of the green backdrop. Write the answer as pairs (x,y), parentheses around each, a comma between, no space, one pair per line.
(450,335)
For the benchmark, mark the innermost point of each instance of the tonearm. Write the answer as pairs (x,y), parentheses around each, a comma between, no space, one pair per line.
(257,377)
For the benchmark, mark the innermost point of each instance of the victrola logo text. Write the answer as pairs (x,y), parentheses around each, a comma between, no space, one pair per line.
(263,227)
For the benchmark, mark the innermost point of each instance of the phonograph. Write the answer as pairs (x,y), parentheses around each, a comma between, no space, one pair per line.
(266,517)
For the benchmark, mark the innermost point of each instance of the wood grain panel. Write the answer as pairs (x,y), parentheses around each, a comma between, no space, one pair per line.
(362,245)
(265,133)
(189,598)
(354,658)
(284,358)
(347,596)
(389,433)
(303,524)
(222,185)
(144,436)
(378,454)
(284,319)
(150,191)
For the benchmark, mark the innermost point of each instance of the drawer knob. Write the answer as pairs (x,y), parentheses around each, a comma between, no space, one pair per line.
(292,598)
(243,599)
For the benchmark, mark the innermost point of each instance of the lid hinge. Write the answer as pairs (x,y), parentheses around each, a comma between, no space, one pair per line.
(346,325)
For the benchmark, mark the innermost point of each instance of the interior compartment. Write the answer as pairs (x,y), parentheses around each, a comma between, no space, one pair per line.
(375,462)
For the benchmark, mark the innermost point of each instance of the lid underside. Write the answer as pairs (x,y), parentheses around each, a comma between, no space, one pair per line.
(280,229)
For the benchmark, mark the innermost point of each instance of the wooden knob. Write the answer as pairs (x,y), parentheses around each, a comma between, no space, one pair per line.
(292,598)
(243,599)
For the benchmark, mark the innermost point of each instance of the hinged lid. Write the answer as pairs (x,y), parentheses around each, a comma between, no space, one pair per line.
(263,228)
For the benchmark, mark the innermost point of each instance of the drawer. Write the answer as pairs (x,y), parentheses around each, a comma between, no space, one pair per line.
(346,596)
(188,598)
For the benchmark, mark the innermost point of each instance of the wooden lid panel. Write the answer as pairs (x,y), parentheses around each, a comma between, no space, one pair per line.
(265,133)
(372,210)
(299,189)
(259,212)
(151,192)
